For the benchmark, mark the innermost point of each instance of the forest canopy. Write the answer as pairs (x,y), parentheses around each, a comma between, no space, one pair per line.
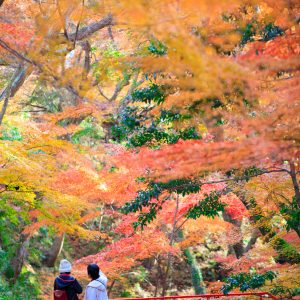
(159,139)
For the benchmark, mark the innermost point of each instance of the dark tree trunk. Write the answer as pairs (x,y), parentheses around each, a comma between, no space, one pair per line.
(295,182)
(52,254)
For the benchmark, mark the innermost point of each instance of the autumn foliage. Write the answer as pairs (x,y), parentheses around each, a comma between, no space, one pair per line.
(160,134)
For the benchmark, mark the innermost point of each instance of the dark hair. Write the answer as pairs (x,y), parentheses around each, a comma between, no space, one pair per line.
(93,271)
(65,273)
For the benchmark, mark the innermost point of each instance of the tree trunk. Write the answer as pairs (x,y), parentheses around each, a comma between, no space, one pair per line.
(238,247)
(196,274)
(54,251)
(165,283)
(21,253)
(295,182)
(286,252)
(17,81)
(252,241)
(3,110)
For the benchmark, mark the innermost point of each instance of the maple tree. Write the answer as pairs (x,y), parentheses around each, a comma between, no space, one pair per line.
(176,113)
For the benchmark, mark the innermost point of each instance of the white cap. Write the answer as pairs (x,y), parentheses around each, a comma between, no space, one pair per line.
(65,266)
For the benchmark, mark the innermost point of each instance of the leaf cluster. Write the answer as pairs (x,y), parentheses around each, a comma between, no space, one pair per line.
(210,206)
(246,281)
(134,129)
(147,198)
(281,290)
(291,212)
(10,133)
(267,33)
(157,48)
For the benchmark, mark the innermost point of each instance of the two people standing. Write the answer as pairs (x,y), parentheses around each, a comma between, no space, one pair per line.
(66,287)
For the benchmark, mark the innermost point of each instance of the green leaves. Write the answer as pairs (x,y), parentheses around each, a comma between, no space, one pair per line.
(271,31)
(89,130)
(178,186)
(267,33)
(149,198)
(245,281)
(292,215)
(160,131)
(284,291)
(169,116)
(10,133)
(252,171)
(152,93)
(44,100)
(210,206)
(157,48)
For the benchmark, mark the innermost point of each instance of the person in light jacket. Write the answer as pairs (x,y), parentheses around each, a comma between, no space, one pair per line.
(96,289)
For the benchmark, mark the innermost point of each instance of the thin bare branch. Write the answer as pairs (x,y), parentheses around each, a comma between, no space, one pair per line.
(5,46)
(63,22)
(237,178)
(78,24)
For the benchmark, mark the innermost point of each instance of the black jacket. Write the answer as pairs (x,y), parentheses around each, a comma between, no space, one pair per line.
(69,284)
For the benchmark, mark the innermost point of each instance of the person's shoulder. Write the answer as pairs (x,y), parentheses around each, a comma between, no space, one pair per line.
(66,278)
(94,284)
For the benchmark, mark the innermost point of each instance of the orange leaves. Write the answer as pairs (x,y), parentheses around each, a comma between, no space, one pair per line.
(74,112)
(122,255)
(186,158)
(282,47)
(235,208)
(77,183)
(17,35)
(196,231)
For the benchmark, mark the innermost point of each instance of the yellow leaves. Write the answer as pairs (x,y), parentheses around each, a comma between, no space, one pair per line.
(287,276)
(270,190)
(197,230)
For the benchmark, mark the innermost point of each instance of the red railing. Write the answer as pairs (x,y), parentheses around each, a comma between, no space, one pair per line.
(261,295)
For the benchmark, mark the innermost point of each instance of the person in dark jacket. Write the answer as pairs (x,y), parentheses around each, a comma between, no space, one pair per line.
(66,282)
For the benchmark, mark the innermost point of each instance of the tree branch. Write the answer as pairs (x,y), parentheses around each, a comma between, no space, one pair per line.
(78,24)
(63,23)
(295,182)
(16,83)
(90,29)
(14,52)
(238,178)
(4,107)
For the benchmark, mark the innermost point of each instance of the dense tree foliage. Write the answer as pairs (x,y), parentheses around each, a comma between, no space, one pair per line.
(159,139)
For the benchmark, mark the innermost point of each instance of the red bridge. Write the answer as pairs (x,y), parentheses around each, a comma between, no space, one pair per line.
(259,295)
